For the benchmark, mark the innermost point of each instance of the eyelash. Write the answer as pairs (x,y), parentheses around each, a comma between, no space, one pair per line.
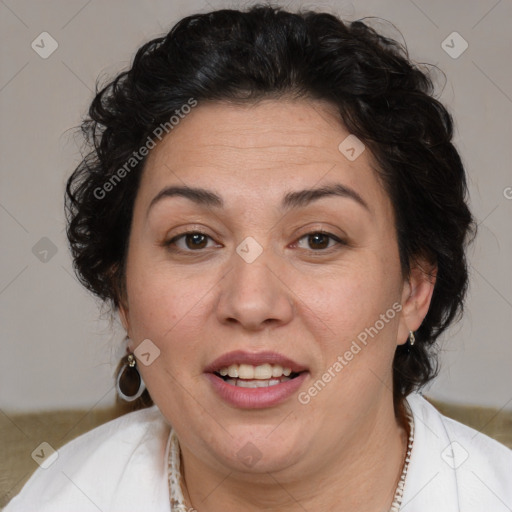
(173,241)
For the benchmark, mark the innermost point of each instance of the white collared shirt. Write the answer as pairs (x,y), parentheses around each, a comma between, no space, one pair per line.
(121,466)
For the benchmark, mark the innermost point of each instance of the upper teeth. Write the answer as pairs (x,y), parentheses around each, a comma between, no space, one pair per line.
(248,371)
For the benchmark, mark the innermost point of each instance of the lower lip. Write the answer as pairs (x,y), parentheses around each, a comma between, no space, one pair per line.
(255,398)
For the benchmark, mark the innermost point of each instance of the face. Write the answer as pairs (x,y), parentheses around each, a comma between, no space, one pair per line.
(256,279)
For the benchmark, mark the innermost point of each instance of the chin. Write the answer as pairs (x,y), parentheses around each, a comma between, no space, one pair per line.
(261,451)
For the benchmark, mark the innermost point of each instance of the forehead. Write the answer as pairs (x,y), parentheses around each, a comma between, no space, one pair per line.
(260,149)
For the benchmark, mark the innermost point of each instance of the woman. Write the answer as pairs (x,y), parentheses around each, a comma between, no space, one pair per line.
(274,207)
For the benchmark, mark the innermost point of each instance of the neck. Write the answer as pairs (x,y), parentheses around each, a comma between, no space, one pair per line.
(361,475)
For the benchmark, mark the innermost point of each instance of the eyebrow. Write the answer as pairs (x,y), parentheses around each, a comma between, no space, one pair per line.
(295,199)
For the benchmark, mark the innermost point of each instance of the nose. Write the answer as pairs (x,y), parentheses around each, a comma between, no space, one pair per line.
(254,295)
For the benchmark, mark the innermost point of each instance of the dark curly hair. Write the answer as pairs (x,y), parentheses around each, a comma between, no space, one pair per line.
(265,52)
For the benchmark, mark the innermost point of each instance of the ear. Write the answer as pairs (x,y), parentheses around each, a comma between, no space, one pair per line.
(121,299)
(416,296)
(124,316)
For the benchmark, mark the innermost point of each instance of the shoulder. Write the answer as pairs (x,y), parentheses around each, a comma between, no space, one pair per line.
(120,465)
(455,467)
(465,441)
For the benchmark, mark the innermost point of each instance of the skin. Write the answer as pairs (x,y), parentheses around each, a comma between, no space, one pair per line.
(343,450)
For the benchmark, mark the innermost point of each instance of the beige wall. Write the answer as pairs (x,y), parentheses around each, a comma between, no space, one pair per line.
(56,350)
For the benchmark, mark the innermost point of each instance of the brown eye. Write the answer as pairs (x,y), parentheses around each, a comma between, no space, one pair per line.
(190,241)
(196,241)
(318,241)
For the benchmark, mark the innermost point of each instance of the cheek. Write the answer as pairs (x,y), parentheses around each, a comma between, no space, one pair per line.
(163,299)
(352,297)
(170,312)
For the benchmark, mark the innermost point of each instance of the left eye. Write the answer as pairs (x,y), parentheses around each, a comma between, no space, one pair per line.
(319,240)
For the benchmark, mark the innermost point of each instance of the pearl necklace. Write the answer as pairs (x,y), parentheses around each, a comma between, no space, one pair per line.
(174,473)
(399,493)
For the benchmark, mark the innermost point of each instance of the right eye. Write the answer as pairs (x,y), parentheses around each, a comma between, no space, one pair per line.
(190,241)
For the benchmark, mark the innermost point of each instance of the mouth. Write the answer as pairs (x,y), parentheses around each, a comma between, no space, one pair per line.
(255,380)
(250,376)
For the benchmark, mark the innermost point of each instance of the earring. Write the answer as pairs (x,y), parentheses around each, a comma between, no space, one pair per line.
(129,383)
(411,338)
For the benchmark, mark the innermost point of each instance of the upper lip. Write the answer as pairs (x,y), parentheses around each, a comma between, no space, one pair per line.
(255,359)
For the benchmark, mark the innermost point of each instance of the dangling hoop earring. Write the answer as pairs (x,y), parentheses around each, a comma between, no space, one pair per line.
(412,338)
(129,383)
